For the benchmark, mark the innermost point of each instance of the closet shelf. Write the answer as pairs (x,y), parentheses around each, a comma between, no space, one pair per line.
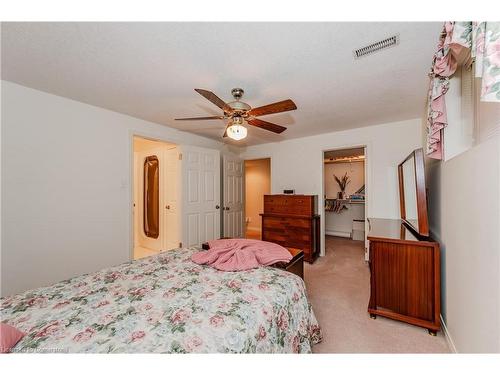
(346,201)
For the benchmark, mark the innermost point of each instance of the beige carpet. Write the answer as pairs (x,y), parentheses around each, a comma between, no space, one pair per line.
(338,287)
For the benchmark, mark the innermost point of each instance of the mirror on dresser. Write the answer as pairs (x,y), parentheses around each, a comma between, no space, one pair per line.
(412,192)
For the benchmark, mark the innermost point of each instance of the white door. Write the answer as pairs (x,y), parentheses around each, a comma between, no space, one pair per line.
(171,207)
(135,209)
(367,224)
(156,244)
(200,195)
(233,196)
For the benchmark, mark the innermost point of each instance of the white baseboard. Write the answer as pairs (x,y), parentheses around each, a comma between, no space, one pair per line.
(338,234)
(449,340)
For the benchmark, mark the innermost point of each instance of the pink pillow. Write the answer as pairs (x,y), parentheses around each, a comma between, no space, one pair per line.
(9,337)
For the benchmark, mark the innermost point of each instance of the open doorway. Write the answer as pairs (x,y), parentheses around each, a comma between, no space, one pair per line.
(345,199)
(156,181)
(257,184)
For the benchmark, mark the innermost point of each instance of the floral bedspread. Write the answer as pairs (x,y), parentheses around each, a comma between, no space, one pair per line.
(167,304)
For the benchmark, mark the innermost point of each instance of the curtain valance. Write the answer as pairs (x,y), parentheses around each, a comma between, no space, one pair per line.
(479,41)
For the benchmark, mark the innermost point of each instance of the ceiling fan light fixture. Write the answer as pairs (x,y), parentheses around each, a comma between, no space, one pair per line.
(237,112)
(236,130)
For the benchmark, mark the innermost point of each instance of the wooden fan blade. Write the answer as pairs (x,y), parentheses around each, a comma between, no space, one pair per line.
(201,118)
(283,106)
(266,125)
(212,97)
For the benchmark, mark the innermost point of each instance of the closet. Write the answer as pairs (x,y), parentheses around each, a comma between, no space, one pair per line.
(344,193)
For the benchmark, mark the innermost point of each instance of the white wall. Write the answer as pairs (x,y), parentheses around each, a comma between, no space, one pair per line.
(464,212)
(341,223)
(464,216)
(459,109)
(355,171)
(66,186)
(298,163)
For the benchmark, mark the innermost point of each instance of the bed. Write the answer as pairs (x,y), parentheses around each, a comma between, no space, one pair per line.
(166,304)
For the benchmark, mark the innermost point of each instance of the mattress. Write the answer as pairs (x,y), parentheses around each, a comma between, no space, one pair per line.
(166,304)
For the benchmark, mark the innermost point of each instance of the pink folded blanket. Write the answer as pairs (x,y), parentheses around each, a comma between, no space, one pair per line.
(241,254)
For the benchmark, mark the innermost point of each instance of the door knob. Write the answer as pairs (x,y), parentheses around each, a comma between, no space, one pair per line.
(217,207)
(226,208)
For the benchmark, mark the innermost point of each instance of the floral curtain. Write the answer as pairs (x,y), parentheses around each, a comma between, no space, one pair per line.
(482,41)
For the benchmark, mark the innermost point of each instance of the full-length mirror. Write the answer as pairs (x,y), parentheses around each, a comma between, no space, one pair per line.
(151,197)
(412,192)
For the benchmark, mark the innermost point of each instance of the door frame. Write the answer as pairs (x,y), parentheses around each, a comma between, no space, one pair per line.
(130,208)
(245,184)
(368,179)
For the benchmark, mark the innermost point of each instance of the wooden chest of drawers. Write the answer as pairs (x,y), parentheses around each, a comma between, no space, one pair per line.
(292,221)
(304,205)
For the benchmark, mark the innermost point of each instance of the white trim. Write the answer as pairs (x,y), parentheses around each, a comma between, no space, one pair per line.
(447,335)
(338,234)
(321,199)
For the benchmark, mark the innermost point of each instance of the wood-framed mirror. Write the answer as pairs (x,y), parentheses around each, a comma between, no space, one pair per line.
(412,192)
(151,211)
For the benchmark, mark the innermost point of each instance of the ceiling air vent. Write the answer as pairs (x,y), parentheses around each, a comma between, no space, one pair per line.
(372,48)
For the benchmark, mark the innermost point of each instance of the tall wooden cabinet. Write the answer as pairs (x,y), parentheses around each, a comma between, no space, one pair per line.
(292,221)
(405,275)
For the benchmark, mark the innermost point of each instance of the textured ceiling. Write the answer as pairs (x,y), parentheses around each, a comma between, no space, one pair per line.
(149,70)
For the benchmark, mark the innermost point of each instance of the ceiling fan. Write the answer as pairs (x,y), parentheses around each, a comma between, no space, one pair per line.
(239,112)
